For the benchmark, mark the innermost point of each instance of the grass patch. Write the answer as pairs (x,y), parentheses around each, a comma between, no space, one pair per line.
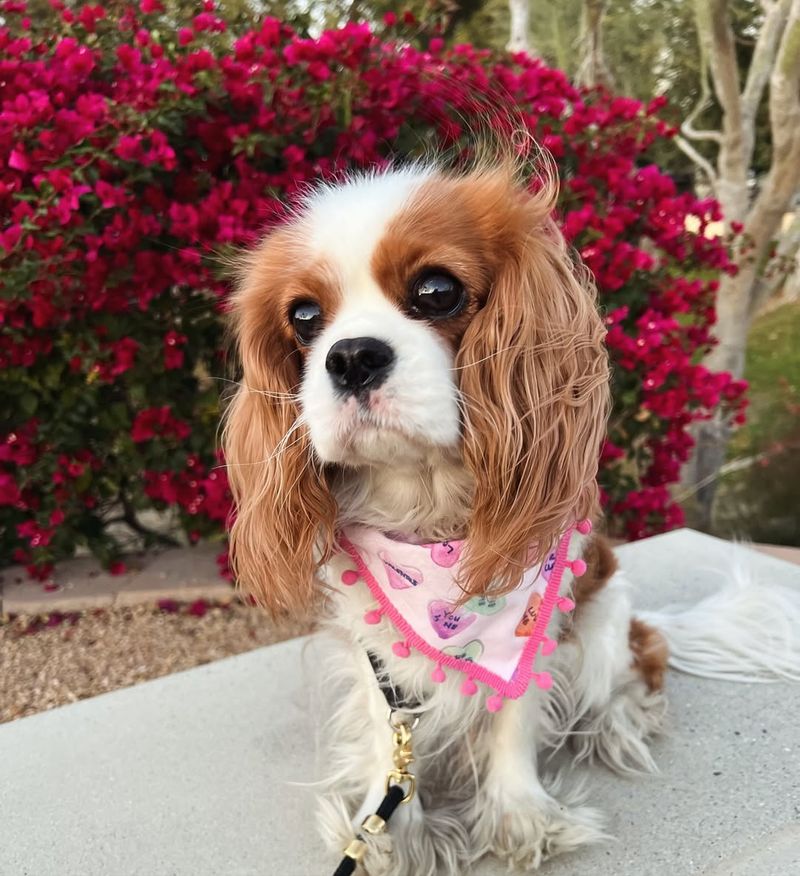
(762,501)
(773,372)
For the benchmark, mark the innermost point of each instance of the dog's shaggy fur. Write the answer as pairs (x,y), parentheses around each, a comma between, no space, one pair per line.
(486,426)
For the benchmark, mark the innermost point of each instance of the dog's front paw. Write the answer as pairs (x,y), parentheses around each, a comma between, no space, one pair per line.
(527,830)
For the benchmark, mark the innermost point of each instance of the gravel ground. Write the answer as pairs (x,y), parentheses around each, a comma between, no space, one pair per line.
(47,662)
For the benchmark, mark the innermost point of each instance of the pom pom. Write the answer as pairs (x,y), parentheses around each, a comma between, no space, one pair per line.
(373,616)
(584,527)
(543,680)
(578,568)
(438,674)
(494,703)
(564,603)
(349,577)
(469,688)
(401,649)
(548,646)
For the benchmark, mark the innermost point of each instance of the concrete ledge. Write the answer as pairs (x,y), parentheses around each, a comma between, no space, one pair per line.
(198,773)
(183,574)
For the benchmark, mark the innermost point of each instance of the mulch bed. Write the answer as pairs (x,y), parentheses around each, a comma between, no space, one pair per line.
(48,661)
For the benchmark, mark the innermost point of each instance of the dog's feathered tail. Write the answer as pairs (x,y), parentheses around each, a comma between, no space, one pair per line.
(748,631)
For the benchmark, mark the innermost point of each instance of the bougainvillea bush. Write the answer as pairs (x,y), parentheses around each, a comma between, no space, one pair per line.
(136,151)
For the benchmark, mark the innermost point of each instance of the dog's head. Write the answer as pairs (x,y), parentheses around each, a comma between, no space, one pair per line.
(402,318)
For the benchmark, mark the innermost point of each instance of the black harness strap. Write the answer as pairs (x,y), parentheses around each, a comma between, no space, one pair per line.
(393,695)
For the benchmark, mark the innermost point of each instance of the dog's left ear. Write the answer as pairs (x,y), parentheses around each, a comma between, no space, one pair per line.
(284,512)
(534,375)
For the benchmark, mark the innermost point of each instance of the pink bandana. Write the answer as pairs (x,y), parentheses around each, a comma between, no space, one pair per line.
(494,640)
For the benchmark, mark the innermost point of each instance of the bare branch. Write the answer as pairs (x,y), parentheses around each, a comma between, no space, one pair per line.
(699,160)
(703,101)
(716,36)
(763,59)
(688,131)
(784,95)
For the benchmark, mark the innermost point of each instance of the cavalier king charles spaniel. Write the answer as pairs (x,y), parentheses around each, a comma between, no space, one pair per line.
(413,449)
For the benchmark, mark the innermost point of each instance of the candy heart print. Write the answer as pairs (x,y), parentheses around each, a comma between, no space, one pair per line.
(486,604)
(448,620)
(445,553)
(528,620)
(400,577)
(471,651)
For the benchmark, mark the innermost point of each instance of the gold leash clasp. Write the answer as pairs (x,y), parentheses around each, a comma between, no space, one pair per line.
(402,755)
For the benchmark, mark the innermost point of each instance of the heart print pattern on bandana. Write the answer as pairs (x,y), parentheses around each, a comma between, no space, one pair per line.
(400,577)
(492,640)
(447,619)
(486,604)
(446,553)
(471,652)
(527,622)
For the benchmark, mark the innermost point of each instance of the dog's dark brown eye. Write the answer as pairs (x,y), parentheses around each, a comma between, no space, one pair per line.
(436,295)
(306,319)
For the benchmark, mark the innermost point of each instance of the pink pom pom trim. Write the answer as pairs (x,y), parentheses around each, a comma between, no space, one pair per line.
(401,649)
(469,688)
(494,703)
(373,617)
(578,568)
(548,646)
(564,603)
(543,680)
(584,527)
(438,674)
(349,577)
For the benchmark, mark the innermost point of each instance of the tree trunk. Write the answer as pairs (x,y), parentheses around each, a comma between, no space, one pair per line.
(592,67)
(776,60)
(791,288)
(782,282)
(736,303)
(520,21)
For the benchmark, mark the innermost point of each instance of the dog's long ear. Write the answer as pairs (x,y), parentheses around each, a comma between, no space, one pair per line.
(284,512)
(534,377)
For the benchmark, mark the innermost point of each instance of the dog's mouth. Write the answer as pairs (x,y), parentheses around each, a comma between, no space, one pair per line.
(370,414)
(371,431)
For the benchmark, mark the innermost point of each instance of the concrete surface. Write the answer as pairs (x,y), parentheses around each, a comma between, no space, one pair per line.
(196,774)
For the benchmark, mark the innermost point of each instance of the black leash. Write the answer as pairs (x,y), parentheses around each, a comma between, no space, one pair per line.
(400,784)
(373,824)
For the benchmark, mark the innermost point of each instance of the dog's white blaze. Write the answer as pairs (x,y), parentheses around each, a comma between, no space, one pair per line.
(417,407)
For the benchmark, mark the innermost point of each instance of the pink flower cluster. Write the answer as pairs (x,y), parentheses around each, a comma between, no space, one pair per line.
(134,154)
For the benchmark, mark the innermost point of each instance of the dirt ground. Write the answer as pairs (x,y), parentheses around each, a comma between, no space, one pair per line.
(47,662)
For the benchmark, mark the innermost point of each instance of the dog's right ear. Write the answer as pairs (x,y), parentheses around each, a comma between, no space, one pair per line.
(284,514)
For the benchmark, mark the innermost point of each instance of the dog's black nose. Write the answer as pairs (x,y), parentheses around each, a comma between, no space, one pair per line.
(357,363)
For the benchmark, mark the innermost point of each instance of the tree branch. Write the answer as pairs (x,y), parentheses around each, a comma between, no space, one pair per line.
(764,54)
(703,163)
(781,267)
(130,519)
(784,93)
(716,34)
(735,148)
(687,127)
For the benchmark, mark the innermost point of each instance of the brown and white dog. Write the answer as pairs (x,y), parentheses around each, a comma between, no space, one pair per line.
(420,355)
